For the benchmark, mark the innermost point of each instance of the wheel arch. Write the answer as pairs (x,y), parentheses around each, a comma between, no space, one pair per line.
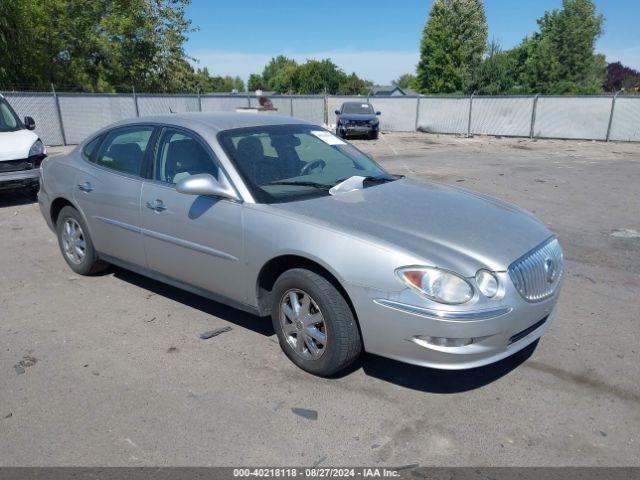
(275,267)
(56,207)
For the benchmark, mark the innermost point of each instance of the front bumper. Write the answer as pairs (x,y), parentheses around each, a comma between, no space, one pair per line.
(402,329)
(20,178)
(358,129)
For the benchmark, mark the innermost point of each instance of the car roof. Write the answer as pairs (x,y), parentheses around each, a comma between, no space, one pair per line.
(216,121)
(356,103)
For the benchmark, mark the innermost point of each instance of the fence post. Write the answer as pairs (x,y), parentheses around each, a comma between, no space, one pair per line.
(248,99)
(470,110)
(291,105)
(326,110)
(533,115)
(135,102)
(199,101)
(55,97)
(613,107)
(417,113)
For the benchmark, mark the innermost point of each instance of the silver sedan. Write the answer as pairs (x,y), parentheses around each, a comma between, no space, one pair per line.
(281,218)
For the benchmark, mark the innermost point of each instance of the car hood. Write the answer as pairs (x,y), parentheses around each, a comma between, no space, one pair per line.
(16,145)
(357,116)
(448,227)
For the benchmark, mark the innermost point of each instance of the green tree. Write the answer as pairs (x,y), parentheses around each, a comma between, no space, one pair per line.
(277,73)
(353,85)
(256,82)
(407,80)
(453,42)
(561,56)
(96,45)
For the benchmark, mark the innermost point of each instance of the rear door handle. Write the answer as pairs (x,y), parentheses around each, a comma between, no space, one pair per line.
(157,206)
(85,187)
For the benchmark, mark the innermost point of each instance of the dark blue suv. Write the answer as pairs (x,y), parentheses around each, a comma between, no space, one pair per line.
(357,118)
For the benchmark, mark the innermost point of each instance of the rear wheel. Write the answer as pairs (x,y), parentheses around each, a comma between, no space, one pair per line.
(75,243)
(314,323)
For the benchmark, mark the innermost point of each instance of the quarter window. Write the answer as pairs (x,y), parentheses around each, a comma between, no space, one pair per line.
(123,149)
(180,155)
(90,148)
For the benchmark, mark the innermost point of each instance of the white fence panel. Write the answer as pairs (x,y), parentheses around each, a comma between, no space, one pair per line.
(223,104)
(626,120)
(398,113)
(165,104)
(573,117)
(444,114)
(83,114)
(310,109)
(42,107)
(508,116)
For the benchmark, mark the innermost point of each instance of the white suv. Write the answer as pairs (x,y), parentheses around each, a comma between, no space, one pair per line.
(21,151)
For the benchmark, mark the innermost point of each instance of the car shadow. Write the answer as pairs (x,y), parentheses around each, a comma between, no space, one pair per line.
(242,319)
(14,198)
(431,380)
(428,380)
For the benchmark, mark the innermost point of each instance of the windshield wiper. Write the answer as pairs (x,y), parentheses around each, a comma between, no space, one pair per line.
(322,186)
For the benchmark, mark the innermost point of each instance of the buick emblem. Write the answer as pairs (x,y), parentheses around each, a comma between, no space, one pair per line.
(550,269)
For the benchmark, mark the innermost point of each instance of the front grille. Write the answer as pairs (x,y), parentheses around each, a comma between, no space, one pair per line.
(22,164)
(537,274)
(527,331)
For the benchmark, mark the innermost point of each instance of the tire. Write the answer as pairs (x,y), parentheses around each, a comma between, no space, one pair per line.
(339,133)
(341,335)
(76,245)
(373,135)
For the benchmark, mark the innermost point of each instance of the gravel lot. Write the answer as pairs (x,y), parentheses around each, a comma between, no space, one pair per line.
(109,370)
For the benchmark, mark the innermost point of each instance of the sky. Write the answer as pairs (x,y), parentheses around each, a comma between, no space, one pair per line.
(377,39)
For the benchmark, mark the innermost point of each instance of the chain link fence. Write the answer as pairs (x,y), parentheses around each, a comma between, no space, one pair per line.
(68,118)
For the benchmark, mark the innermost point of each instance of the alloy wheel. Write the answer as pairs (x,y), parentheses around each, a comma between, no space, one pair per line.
(73,241)
(303,324)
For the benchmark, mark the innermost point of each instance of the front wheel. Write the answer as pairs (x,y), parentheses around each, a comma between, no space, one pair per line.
(313,321)
(75,243)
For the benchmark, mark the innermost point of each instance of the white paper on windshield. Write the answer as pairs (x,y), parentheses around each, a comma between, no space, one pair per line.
(327,137)
(364,105)
(349,185)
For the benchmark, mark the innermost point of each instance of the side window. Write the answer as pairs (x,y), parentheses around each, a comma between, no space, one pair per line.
(90,148)
(180,155)
(123,149)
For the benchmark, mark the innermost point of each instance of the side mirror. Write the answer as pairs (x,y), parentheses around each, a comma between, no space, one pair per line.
(29,123)
(206,184)
(337,112)
(378,113)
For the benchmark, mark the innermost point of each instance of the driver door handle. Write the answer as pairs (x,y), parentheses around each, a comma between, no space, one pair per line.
(85,187)
(157,206)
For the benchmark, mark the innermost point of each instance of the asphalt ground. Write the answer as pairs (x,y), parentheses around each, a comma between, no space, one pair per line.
(110,370)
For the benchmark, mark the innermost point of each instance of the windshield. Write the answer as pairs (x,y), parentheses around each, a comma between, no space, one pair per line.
(282,163)
(9,121)
(357,108)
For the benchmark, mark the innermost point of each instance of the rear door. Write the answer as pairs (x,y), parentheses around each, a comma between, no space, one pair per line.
(107,189)
(194,239)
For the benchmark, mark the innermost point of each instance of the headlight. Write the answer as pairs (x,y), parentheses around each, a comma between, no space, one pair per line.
(37,149)
(438,285)
(487,283)
(374,121)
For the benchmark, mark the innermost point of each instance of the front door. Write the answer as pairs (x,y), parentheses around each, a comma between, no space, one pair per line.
(194,239)
(107,189)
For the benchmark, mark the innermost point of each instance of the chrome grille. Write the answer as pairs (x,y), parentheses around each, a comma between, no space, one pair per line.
(537,274)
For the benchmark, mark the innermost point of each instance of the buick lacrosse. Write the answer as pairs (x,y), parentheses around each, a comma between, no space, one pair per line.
(281,218)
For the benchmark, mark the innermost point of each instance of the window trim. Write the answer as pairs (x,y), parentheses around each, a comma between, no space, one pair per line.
(197,137)
(20,124)
(105,134)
